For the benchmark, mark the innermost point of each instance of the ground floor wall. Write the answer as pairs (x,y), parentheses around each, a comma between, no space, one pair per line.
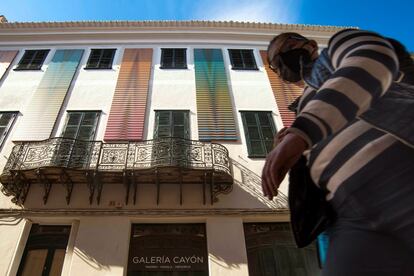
(100,244)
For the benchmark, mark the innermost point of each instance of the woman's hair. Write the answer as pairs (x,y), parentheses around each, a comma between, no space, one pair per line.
(280,39)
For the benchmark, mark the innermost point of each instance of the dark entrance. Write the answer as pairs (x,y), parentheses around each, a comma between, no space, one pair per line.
(271,251)
(45,251)
(168,250)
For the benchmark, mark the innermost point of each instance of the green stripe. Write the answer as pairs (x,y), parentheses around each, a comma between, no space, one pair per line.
(214,107)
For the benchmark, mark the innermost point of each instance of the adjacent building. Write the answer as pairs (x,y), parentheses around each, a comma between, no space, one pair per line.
(136,148)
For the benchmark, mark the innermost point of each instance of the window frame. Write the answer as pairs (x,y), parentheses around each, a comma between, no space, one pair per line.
(186,125)
(28,66)
(98,66)
(250,152)
(8,127)
(82,112)
(173,62)
(243,66)
(44,241)
(268,238)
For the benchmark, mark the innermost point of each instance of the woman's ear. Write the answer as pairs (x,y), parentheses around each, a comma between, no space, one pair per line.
(313,47)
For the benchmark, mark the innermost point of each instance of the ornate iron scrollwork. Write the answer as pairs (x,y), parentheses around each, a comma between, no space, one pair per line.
(96,158)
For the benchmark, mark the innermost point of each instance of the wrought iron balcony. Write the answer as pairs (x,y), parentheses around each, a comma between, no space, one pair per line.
(94,163)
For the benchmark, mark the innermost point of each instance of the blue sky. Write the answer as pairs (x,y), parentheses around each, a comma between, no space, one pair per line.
(391,18)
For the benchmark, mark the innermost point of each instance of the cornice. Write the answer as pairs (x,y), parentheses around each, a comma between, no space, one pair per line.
(17,34)
(166,24)
(142,212)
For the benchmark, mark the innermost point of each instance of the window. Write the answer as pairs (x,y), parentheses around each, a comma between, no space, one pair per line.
(6,121)
(100,59)
(271,250)
(173,58)
(32,60)
(172,124)
(81,125)
(45,251)
(259,130)
(242,59)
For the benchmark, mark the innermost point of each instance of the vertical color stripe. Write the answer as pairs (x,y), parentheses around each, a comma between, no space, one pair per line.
(127,116)
(285,93)
(40,115)
(214,107)
(6,58)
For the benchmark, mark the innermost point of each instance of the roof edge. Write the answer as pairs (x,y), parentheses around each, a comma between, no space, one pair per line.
(169,24)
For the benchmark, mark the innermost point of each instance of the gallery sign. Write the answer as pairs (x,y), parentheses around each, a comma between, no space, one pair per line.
(168,247)
(168,262)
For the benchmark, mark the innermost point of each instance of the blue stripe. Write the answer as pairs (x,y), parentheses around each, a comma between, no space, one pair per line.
(334,47)
(310,128)
(327,127)
(338,100)
(362,78)
(386,60)
(346,153)
(322,144)
(361,43)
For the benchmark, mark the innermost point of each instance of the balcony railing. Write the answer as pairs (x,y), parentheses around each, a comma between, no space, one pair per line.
(94,163)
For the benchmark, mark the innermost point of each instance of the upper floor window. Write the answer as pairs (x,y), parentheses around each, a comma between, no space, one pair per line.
(81,125)
(173,58)
(242,59)
(172,123)
(45,250)
(259,130)
(100,59)
(32,60)
(6,121)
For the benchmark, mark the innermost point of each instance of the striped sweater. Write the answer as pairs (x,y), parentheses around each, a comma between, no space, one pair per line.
(344,151)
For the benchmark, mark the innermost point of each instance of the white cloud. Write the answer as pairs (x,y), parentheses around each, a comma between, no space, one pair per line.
(276,11)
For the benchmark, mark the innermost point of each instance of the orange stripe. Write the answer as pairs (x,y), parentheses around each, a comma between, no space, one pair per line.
(127,116)
(284,93)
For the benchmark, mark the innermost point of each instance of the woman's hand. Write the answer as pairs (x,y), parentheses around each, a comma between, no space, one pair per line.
(279,161)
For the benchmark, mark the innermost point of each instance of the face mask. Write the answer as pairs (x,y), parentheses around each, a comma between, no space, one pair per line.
(291,63)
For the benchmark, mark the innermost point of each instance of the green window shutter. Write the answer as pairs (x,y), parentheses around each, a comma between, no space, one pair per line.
(173,58)
(172,124)
(267,129)
(32,60)
(6,121)
(259,131)
(100,59)
(163,124)
(88,125)
(186,126)
(81,125)
(242,59)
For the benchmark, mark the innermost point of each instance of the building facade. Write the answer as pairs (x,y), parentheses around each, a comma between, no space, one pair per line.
(136,148)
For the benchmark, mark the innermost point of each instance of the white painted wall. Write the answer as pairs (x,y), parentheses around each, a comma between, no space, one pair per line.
(169,89)
(92,90)
(100,243)
(14,232)
(101,247)
(226,247)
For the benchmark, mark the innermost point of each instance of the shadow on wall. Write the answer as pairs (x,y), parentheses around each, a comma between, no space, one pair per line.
(251,183)
(89,260)
(225,263)
(10,221)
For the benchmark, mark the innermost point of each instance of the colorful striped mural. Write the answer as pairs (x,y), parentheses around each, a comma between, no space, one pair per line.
(40,115)
(127,116)
(214,106)
(285,93)
(6,58)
